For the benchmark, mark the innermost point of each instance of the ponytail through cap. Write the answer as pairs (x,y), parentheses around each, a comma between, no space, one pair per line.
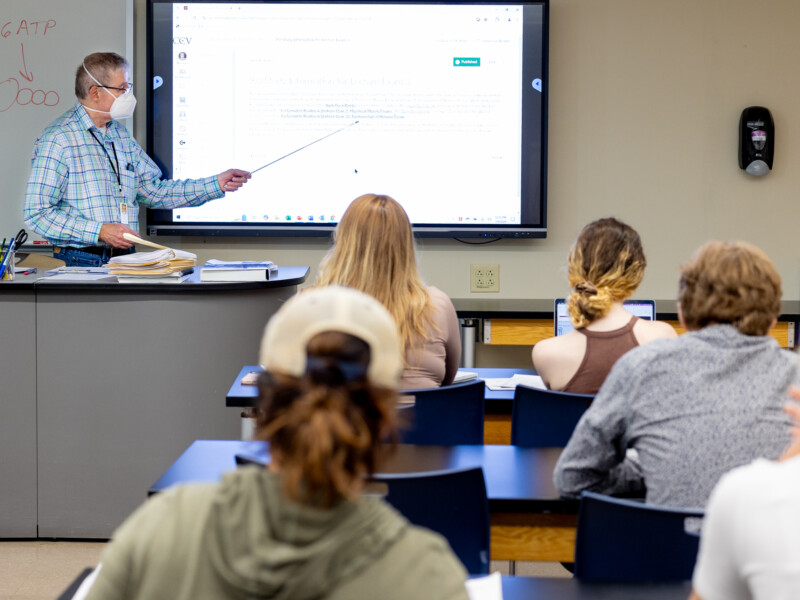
(327,398)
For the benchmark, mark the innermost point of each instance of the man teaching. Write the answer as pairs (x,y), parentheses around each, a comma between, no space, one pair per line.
(89,176)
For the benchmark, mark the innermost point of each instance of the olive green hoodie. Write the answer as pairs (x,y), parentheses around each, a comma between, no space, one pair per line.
(243,539)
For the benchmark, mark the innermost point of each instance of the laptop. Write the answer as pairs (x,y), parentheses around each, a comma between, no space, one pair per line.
(644,309)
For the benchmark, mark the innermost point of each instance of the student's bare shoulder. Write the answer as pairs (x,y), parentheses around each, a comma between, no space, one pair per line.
(647,331)
(558,348)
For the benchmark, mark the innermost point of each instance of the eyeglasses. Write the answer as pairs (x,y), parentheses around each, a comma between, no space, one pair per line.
(128,88)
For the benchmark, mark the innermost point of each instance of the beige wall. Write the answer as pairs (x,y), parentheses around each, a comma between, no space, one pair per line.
(645,99)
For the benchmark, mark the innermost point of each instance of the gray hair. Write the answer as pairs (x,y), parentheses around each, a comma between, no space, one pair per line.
(100,65)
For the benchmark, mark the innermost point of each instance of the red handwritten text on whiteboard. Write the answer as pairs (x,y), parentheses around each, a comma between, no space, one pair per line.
(14,93)
(25,28)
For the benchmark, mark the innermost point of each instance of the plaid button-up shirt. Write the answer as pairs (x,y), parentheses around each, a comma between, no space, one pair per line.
(73,187)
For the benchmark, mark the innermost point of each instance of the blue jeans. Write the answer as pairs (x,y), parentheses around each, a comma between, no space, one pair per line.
(78,258)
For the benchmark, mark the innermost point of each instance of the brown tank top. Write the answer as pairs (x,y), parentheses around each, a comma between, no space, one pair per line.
(603,348)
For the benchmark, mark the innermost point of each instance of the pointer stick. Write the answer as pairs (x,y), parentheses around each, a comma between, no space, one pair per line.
(304,147)
(138,240)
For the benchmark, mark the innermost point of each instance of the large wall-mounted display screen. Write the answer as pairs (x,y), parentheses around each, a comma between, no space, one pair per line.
(442,106)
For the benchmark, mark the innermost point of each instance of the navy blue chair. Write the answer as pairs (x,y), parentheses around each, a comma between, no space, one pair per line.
(446,416)
(629,540)
(545,418)
(452,503)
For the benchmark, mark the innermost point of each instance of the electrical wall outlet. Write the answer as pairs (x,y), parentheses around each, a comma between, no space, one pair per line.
(484,278)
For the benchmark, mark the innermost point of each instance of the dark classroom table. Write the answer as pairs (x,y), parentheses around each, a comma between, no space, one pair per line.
(528,519)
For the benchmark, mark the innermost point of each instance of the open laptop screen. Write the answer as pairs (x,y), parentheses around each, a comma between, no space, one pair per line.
(644,309)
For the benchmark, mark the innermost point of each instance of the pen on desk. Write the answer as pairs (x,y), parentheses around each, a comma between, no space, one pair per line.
(4,262)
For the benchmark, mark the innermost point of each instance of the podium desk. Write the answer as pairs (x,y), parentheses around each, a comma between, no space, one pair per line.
(17,408)
(497,406)
(528,519)
(104,383)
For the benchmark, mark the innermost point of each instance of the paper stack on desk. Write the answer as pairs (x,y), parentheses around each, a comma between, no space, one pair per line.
(511,383)
(167,264)
(77,274)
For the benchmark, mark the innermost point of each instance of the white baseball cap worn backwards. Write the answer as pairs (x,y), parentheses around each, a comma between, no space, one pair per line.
(332,308)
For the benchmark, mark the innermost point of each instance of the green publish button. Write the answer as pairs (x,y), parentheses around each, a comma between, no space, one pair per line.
(461,61)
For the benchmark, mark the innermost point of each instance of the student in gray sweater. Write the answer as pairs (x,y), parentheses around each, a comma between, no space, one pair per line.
(694,407)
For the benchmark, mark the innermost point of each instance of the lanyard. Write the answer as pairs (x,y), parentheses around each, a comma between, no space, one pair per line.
(114,148)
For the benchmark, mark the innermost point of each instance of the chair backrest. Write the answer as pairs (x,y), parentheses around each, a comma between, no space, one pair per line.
(544,418)
(446,416)
(75,584)
(452,503)
(626,540)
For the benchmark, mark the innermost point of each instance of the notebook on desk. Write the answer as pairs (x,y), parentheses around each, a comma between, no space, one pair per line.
(644,309)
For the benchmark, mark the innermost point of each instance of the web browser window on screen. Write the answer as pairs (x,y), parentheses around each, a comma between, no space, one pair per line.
(419,103)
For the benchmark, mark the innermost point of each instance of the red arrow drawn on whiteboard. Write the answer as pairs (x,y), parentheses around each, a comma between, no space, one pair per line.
(26,75)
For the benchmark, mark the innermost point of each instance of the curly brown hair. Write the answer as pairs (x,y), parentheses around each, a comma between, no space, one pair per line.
(730,282)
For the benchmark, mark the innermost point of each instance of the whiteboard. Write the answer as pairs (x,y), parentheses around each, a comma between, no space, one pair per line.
(42,43)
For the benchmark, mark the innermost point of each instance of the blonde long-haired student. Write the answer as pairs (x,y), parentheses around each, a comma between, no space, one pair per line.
(373,251)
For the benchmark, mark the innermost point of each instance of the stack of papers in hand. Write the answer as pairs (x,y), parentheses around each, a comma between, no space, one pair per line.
(240,270)
(511,383)
(169,264)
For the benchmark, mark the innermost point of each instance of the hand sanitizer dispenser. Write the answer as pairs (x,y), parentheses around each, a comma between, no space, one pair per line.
(756,140)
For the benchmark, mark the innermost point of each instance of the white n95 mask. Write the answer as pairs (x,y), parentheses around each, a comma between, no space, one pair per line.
(122,107)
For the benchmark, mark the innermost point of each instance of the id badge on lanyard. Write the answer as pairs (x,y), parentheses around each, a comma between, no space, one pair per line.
(123,205)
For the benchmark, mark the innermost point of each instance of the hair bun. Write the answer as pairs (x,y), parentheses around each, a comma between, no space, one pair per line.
(586,288)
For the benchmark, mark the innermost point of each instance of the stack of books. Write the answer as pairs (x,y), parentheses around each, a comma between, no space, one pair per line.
(161,266)
(240,270)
